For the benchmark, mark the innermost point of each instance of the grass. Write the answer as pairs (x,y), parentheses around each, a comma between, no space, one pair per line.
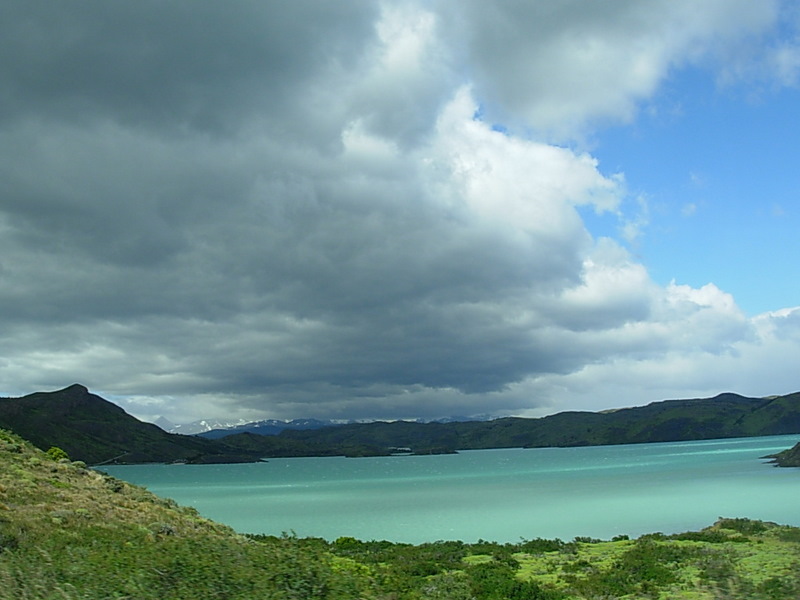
(68,533)
(717,562)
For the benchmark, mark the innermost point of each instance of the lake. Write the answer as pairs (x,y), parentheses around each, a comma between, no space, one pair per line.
(498,495)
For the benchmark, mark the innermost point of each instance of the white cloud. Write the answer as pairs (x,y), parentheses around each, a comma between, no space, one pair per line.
(312,211)
(403,78)
(758,363)
(614,291)
(559,66)
(529,186)
(786,64)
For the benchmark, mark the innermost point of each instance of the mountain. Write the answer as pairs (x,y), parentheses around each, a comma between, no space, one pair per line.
(164,423)
(92,429)
(265,427)
(275,426)
(95,430)
(724,416)
(202,426)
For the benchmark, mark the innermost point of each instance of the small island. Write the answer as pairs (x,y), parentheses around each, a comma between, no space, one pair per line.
(787,458)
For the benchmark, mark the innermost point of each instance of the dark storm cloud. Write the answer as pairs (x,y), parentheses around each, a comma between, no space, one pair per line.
(174,65)
(291,209)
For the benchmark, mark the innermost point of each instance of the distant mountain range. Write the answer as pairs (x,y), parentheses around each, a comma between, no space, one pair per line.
(724,416)
(219,429)
(197,427)
(92,429)
(215,429)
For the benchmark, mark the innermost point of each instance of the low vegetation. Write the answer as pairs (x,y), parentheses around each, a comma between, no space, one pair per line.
(68,532)
(733,559)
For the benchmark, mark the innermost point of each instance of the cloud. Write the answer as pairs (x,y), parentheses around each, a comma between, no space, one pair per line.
(308,209)
(180,67)
(762,62)
(760,351)
(558,67)
(689,209)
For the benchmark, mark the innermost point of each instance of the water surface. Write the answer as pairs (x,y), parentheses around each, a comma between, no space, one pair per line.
(499,495)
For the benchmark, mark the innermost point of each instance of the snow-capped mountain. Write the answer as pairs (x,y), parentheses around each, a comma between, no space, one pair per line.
(197,427)
(268,427)
(217,429)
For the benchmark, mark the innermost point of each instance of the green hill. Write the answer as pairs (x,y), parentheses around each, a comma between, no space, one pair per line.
(72,533)
(724,416)
(68,532)
(95,430)
(788,458)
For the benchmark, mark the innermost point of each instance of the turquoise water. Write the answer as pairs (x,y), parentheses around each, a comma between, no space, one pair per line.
(498,495)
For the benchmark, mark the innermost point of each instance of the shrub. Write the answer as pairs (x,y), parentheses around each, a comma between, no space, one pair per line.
(540,546)
(497,581)
(779,588)
(57,453)
(647,566)
(789,534)
(743,526)
(448,586)
(711,536)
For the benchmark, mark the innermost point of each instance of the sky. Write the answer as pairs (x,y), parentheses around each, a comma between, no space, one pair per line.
(383,210)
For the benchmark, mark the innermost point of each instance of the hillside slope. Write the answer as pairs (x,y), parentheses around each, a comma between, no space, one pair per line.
(71,533)
(788,458)
(95,430)
(724,416)
(92,429)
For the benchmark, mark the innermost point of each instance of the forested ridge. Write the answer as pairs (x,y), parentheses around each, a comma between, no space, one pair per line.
(724,416)
(92,429)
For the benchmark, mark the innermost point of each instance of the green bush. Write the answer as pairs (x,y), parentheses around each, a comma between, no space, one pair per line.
(540,546)
(743,526)
(647,566)
(448,586)
(497,581)
(57,453)
(711,536)
(778,588)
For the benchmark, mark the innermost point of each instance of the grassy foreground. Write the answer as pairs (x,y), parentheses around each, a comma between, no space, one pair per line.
(69,533)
